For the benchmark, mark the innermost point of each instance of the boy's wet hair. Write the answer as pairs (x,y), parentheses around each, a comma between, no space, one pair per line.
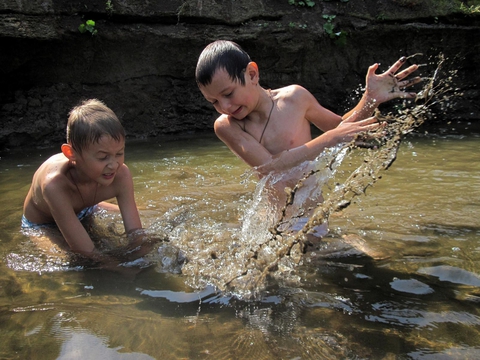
(89,121)
(221,54)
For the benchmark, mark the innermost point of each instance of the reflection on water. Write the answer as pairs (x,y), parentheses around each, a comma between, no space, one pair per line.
(419,298)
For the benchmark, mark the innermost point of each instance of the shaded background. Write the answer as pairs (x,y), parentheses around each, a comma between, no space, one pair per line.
(142,60)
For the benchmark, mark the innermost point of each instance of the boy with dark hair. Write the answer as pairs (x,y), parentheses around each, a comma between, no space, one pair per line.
(270,129)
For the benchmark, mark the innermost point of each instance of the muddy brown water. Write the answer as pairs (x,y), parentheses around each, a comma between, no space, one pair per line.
(419,299)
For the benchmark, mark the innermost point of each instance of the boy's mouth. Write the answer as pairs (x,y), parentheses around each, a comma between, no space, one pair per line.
(108,176)
(236,112)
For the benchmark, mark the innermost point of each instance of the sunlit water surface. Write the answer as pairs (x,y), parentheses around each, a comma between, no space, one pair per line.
(419,300)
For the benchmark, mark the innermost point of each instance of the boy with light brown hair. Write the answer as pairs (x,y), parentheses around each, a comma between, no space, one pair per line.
(68,186)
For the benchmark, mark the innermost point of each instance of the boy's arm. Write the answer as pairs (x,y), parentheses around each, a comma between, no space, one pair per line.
(241,143)
(384,87)
(58,198)
(301,103)
(255,155)
(140,242)
(378,89)
(346,131)
(126,200)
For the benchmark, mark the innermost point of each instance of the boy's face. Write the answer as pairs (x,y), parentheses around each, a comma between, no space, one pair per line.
(231,97)
(100,161)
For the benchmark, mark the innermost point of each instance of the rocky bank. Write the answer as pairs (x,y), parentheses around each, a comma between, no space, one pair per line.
(141,61)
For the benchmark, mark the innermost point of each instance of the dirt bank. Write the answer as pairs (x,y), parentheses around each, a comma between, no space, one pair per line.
(141,61)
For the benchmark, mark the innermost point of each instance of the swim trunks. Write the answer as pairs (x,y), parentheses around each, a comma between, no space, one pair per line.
(27,224)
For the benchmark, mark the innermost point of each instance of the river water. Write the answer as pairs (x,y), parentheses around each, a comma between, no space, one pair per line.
(397,277)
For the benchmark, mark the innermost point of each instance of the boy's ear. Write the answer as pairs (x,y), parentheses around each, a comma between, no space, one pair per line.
(254,64)
(68,151)
(252,70)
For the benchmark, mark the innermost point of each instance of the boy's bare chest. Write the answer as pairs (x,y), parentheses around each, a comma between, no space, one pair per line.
(285,133)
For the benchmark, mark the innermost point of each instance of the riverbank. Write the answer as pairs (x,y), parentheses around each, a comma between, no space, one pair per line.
(142,58)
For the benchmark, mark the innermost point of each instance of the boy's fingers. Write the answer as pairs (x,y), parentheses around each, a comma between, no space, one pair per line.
(370,120)
(409,82)
(404,95)
(351,118)
(398,64)
(406,72)
(372,69)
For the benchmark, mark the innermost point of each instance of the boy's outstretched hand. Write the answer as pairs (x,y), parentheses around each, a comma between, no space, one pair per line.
(390,85)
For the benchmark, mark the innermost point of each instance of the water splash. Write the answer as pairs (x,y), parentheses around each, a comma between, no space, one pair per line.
(266,247)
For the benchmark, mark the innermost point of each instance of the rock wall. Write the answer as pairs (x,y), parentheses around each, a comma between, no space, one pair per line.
(141,61)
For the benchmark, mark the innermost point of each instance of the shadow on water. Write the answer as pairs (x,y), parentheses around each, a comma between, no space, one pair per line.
(397,276)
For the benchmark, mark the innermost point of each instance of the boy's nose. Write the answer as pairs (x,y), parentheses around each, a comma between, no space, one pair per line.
(224,106)
(113,164)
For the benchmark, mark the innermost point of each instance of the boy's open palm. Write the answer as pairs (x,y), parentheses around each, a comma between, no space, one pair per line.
(390,84)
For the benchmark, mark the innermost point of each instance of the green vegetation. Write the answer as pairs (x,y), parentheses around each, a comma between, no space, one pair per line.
(88,26)
(340,37)
(470,8)
(293,24)
(381,16)
(109,7)
(308,3)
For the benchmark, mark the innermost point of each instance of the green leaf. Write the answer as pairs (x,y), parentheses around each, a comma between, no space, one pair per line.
(328,27)
(90,23)
(341,38)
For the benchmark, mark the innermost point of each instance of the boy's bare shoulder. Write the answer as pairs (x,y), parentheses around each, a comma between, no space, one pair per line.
(222,118)
(50,183)
(53,172)
(228,129)
(55,165)
(55,160)
(291,93)
(224,122)
(294,88)
(123,173)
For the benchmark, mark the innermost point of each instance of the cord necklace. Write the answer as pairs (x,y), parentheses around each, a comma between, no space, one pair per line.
(270,114)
